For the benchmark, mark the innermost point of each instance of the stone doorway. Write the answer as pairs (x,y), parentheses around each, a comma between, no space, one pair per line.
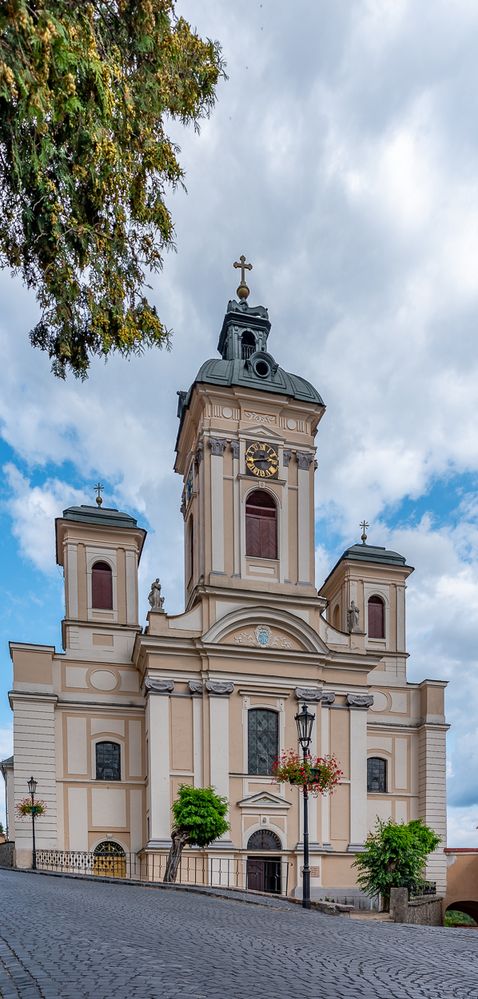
(264,872)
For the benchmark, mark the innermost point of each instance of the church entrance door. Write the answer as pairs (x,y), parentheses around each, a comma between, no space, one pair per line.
(264,875)
(264,872)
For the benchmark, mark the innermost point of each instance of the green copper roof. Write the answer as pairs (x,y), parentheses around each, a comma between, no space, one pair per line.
(218,371)
(373,553)
(104,516)
(368,553)
(245,359)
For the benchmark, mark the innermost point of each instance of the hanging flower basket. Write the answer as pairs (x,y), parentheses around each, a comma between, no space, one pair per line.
(25,807)
(319,774)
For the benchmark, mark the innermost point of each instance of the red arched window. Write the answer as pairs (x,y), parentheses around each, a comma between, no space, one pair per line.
(261,525)
(376,618)
(101,586)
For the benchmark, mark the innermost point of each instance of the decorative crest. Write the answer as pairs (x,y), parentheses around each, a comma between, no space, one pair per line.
(98,490)
(363,536)
(242,290)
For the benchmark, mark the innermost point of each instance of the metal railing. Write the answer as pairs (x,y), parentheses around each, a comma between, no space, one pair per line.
(247,873)
(425,888)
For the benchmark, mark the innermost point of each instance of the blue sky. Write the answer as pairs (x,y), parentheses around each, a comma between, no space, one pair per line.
(342,159)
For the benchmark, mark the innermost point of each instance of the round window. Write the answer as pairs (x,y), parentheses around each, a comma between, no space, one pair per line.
(262,368)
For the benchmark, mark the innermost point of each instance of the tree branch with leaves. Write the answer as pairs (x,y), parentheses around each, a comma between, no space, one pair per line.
(199,818)
(85,162)
(394,856)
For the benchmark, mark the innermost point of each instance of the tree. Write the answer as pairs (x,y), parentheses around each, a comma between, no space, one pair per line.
(199,818)
(85,162)
(2,832)
(394,857)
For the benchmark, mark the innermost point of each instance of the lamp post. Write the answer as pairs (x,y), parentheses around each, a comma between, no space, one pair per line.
(304,720)
(32,786)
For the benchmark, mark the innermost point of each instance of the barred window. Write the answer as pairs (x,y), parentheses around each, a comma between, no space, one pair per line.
(101,586)
(376,775)
(108,761)
(376,618)
(263,740)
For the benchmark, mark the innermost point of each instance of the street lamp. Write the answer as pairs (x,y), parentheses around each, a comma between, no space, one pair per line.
(304,720)
(32,786)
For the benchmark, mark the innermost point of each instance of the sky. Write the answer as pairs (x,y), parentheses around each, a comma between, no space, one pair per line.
(342,159)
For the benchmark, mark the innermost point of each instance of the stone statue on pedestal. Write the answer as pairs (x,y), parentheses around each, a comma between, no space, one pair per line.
(156,601)
(353,618)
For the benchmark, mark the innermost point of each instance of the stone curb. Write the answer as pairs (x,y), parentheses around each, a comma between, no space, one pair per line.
(230,894)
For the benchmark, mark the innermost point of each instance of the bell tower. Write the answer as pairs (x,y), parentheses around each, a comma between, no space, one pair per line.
(246,451)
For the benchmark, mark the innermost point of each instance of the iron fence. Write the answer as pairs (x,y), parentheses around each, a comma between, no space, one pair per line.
(249,873)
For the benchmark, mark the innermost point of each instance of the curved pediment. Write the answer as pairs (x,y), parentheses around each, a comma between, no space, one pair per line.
(265,628)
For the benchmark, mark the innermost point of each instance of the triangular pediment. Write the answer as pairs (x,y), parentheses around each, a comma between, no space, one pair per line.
(264,800)
(263,431)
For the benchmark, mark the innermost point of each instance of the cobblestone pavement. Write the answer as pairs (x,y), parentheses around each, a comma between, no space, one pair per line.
(67,938)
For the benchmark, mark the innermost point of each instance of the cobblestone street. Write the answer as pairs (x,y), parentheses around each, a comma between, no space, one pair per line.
(65,938)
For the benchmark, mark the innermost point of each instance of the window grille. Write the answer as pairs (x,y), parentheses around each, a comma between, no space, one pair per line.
(263,740)
(376,775)
(108,761)
(264,839)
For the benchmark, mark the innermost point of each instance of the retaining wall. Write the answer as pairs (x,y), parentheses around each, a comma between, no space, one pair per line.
(423,910)
(7,854)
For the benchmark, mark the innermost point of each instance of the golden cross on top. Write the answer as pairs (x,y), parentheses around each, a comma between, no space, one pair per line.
(363,536)
(98,490)
(243,290)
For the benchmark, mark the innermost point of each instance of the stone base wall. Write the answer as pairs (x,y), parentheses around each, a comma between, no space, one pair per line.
(424,910)
(7,854)
(343,896)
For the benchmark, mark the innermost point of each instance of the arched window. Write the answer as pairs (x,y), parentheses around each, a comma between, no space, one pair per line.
(262,740)
(108,761)
(376,618)
(248,345)
(376,775)
(264,839)
(336,617)
(261,525)
(101,586)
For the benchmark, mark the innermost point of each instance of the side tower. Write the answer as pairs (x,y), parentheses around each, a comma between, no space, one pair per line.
(99,550)
(406,728)
(78,714)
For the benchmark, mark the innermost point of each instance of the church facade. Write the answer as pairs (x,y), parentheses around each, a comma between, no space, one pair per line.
(112,725)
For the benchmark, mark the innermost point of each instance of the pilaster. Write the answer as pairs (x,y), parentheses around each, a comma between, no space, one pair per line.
(358,705)
(158,728)
(219,693)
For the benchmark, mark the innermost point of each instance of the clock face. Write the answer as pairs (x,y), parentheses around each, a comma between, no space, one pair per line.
(262,460)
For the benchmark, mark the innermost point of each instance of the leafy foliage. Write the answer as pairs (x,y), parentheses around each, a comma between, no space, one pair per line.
(85,162)
(199,813)
(394,857)
(453,917)
(2,831)
(319,774)
(199,818)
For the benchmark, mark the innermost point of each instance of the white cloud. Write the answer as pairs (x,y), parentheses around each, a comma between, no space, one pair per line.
(33,511)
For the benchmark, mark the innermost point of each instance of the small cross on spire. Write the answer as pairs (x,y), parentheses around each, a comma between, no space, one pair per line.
(363,536)
(243,290)
(98,490)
